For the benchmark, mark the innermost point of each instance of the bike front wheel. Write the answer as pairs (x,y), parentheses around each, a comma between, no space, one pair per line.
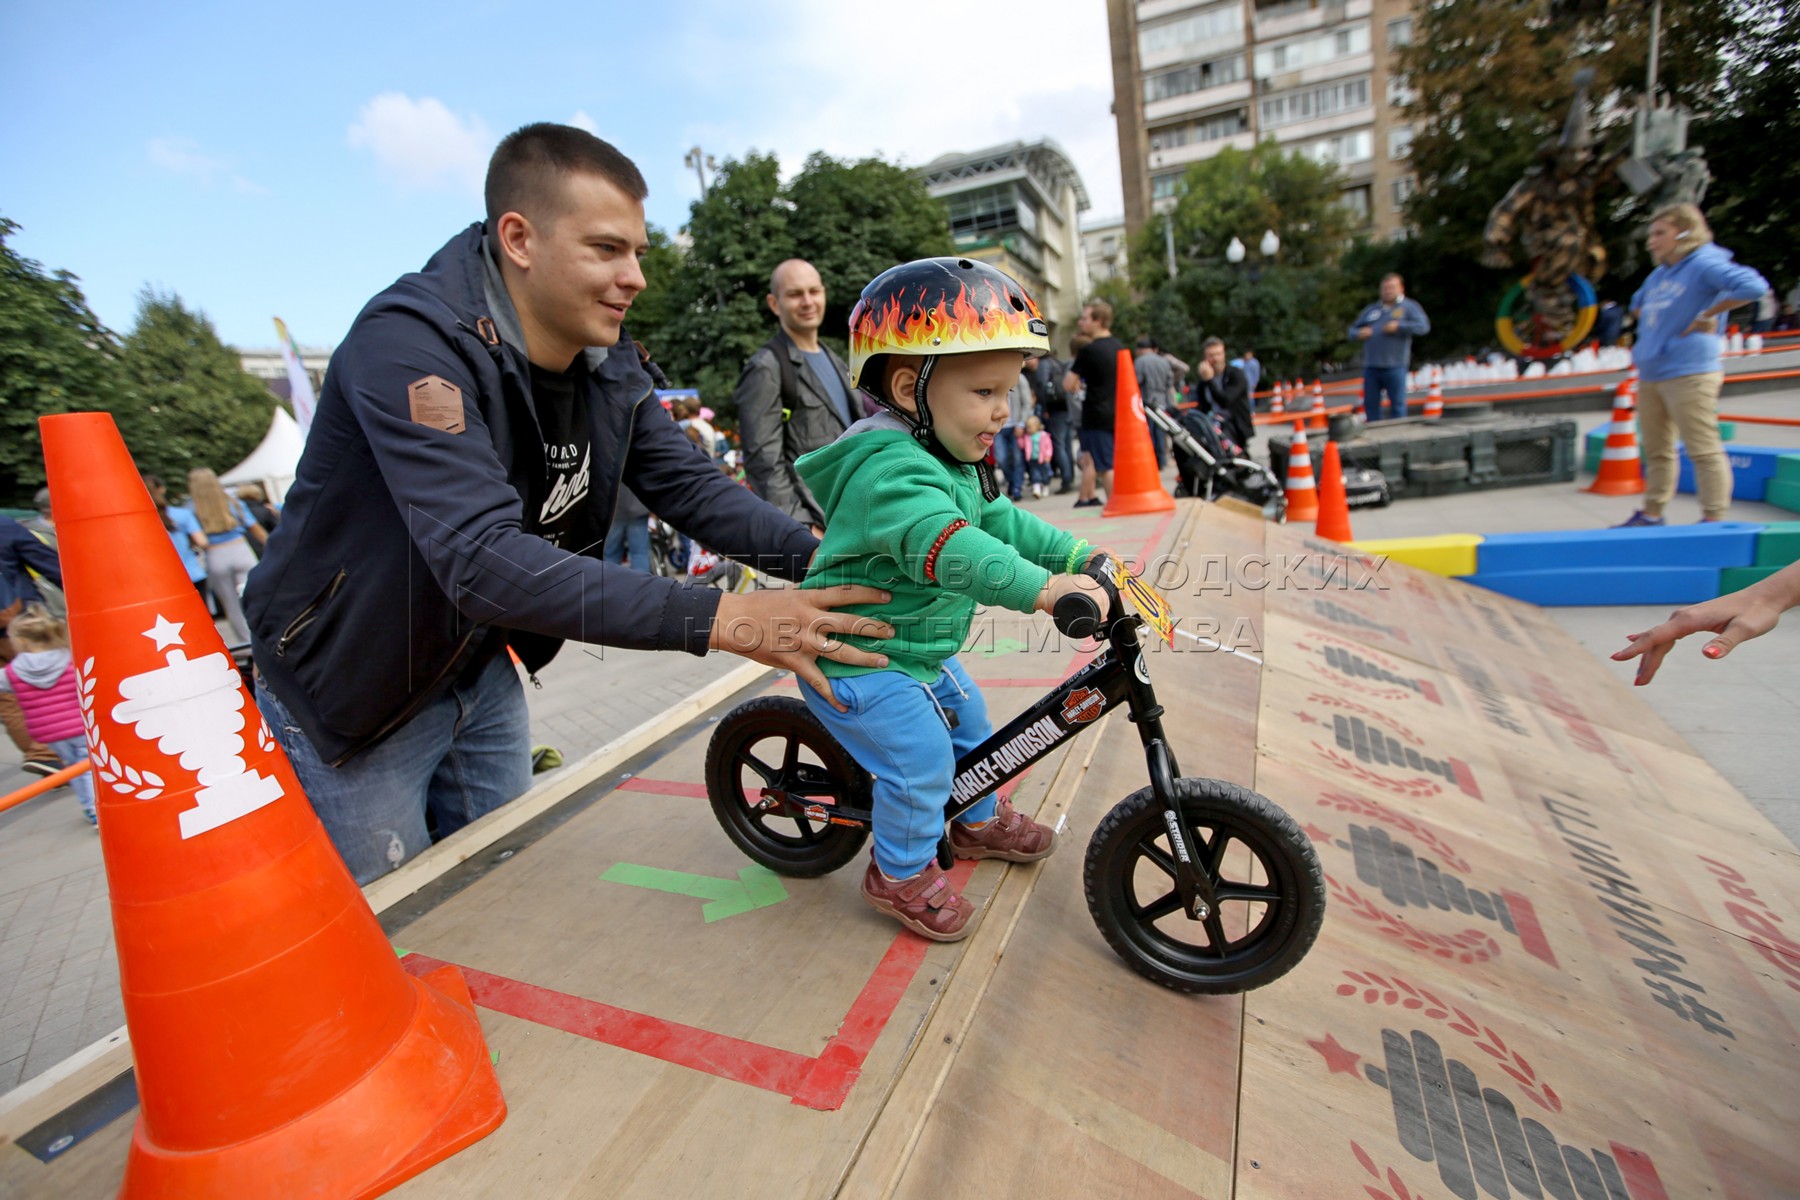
(1262,868)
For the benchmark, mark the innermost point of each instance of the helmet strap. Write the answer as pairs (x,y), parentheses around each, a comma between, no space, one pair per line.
(922,432)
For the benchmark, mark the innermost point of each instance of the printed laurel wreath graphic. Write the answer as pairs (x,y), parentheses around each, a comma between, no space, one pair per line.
(1417,786)
(1380,693)
(1399,1190)
(141,785)
(1392,990)
(1364,710)
(1469,946)
(1358,806)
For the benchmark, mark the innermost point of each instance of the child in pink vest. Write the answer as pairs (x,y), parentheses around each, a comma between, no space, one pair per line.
(1038,450)
(42,676)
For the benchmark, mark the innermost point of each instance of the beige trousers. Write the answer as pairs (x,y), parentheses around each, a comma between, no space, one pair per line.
(1688,406)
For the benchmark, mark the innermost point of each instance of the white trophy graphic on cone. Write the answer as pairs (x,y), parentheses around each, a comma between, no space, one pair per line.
(193,710)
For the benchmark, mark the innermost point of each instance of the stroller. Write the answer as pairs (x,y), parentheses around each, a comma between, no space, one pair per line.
(1208,466)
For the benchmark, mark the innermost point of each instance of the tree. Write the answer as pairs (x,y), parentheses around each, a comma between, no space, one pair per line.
(55,357)
(852,220)
(1491,82)
(190,402)
(1754,203)
(1292,309)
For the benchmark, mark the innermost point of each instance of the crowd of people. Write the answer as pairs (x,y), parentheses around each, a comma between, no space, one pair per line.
(497,395)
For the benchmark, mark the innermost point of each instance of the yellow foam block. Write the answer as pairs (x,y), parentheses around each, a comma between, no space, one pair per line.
(1441,554)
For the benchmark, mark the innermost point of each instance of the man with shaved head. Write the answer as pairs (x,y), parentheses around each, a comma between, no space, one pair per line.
(794,395)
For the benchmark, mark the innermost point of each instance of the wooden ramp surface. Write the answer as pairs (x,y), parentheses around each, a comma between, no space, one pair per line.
(1559,957)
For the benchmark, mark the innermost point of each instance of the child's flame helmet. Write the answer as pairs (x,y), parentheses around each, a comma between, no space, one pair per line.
(934,306)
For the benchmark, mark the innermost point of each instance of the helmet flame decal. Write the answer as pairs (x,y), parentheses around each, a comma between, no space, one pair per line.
(904,324)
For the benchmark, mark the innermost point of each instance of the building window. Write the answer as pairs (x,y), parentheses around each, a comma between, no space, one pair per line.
(1195,77)
(1165,187)
(1312,50)
(1398,94)
(975,215)
(1109,246)
(1403,187)
(1355,201)
(1286,108)
(1215,29)
(1399,32)
(1207,129)
(1341,149)
(1400,141)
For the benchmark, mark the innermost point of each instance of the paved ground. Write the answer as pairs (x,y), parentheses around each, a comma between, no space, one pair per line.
(59,979)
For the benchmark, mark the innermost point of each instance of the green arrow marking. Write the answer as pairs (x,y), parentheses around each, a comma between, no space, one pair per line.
(755,887)
(1001,646)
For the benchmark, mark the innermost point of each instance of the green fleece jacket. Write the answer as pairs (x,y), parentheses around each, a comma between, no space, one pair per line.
(887,500)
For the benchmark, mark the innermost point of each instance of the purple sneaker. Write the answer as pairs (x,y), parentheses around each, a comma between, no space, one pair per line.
(1640,520)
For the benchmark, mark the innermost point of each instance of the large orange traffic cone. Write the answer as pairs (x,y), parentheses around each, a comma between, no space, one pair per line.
(1334,504)
(1318,395)
(1302,495)
(1621,470)
(280,1048)
(1137,484)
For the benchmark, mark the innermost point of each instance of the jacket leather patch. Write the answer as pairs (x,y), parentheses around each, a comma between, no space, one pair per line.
(436,403)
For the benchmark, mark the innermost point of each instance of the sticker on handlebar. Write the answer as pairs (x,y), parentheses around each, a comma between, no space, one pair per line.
(1144,600)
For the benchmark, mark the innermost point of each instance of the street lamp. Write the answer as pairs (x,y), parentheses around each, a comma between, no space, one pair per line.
(1234,253)
(701,162)
(1271,244)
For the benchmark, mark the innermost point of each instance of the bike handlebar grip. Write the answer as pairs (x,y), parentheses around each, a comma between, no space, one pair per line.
(1076,615)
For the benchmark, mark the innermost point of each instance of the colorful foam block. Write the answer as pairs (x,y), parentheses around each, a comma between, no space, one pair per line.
(1604,585)
(1751,469)
(1595,442)
(1733,579)
(1714,545)
(1787,468)
(1445,554)
(1778,544)
(1783,493)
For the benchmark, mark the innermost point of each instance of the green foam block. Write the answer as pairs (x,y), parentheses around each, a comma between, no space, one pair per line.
(1778,544)
(1783,493)
(1787,468)
(1735,579)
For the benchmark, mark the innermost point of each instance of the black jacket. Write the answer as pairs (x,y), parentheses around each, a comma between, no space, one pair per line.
(20,554)
(402,559)
(1228,394)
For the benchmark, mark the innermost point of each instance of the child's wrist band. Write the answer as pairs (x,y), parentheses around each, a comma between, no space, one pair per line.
(932,556)
(1077,557)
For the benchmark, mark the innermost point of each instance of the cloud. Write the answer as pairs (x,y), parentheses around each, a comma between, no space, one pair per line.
(582,121)
(422,145)
(184,157)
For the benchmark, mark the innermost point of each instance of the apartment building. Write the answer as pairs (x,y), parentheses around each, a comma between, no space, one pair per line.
(1018,206)
(1191,77)
(1103,246)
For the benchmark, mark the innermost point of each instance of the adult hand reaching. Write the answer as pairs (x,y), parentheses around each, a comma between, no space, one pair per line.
(1736,618)
(791,628)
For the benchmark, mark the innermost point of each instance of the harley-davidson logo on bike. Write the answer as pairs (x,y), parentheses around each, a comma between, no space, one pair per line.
(1082,706)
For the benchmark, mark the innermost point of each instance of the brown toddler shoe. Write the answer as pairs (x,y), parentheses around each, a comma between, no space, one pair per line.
(925,903)
(1010,835)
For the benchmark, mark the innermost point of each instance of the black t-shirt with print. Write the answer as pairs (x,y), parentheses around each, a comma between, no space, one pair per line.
(568,446)
(1098,366)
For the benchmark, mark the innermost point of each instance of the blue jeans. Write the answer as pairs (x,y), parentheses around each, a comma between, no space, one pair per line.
(462,756)
(1377,380)
(632,536)
(896,729)
(68,752)
(1009,461)
(1062,439)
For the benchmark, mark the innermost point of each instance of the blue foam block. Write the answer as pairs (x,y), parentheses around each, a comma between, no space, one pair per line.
(1604,585)
(1751,469)
(1716,544)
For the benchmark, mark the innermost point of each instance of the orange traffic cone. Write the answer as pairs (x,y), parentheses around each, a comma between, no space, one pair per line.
(1137,484)
(1334,504)
(1302,495)
(1434,400)
(1277,402)
(1318,394)
(1621,470)
(280,1048)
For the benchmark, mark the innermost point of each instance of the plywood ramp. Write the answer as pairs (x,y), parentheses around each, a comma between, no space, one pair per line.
(1559,959)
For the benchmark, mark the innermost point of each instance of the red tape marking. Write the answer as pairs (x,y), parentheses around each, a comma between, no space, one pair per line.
(1429,690)
(1465,778)
(1525,923)
(663,787)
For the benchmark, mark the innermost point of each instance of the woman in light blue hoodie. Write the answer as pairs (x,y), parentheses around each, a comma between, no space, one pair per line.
(1679,311)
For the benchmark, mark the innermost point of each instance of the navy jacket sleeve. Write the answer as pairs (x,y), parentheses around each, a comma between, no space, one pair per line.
(467,520)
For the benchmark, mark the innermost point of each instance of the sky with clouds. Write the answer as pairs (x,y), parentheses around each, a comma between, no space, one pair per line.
(293,161)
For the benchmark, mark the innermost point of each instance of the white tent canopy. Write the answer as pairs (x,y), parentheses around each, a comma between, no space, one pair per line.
(273,462)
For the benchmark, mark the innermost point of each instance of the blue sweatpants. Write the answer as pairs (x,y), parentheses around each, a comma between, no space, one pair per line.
(896,729)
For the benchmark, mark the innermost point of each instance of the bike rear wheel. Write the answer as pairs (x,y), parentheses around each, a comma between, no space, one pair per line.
(1269,885)
(776,780)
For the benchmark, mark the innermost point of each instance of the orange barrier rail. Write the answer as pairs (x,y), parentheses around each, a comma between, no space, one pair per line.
(1761,420)
(1552,393)
(48,783)
(1315,418)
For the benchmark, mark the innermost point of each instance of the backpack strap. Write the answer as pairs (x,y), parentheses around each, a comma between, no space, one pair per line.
(781,344)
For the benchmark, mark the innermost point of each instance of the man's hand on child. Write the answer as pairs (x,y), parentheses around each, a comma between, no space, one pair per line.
(791,628)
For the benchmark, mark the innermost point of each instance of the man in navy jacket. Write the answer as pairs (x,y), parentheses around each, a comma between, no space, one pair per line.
(1386,329)
(453,499)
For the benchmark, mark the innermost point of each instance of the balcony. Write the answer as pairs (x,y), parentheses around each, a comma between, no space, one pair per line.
(1303,131)
(1180,156)
(1350,64)
(1197,102)
(1284,19)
